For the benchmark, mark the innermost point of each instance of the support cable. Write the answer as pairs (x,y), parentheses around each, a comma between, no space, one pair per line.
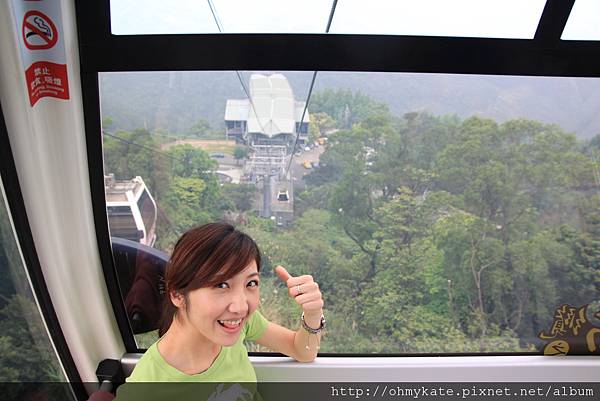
(312,83)
(213,10)
(118,138)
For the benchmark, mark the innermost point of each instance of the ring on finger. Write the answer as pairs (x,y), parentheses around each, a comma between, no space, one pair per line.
(299,290)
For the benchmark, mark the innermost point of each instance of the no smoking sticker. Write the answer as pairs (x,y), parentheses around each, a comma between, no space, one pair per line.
(39,32)
(42,49)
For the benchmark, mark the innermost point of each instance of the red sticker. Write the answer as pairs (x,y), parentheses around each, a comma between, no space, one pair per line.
(39,32)
(46,79)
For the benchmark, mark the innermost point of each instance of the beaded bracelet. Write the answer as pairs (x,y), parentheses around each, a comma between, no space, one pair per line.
(310,329)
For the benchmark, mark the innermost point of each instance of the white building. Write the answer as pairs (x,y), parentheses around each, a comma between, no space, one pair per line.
(270,116)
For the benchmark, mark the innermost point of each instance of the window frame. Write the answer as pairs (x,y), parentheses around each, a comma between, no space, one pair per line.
(101,51)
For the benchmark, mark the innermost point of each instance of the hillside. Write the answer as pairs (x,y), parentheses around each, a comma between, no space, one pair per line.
(174,101)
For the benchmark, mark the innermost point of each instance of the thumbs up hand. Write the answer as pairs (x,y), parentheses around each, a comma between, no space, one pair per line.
(304,290)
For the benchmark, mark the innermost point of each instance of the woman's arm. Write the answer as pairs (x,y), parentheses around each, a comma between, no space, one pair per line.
(302,344)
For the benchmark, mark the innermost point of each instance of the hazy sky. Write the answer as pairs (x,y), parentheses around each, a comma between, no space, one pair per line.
(471,18)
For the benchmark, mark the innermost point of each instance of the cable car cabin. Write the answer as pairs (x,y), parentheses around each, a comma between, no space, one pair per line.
(283,196)
(452,222)
(131,210)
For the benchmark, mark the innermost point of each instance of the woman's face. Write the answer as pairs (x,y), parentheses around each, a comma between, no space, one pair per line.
(218,313)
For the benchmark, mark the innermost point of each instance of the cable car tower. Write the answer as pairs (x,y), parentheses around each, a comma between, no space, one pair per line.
(269,122)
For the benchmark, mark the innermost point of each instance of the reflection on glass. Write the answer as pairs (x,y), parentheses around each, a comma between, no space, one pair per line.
(26,353)
(471,18)
(584,21)
(439,213)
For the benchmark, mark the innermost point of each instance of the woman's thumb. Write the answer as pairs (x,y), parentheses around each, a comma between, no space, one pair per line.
(282,273)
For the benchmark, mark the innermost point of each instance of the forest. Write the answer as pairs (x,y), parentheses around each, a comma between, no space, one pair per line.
(427,233)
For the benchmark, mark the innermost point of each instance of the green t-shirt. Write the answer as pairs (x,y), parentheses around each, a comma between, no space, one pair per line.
(231,366)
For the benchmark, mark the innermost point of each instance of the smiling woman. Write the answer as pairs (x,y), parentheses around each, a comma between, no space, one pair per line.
(212,282)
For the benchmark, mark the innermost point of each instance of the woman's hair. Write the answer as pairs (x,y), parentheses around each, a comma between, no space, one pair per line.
(205,256)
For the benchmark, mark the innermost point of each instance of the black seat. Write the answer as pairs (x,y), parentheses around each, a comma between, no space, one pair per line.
(141,273)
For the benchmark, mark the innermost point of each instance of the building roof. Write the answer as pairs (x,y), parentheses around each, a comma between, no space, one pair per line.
(299,110)
(274,106)
(237,109)
(122,191)
(274,109)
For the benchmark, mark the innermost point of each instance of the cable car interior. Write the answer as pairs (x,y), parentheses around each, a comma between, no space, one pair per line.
(435,165)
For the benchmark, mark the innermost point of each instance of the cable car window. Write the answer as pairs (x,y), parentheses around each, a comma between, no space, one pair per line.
(155,17)
(440,213)
(26,351)
(583,22)
(233,16)
(467,18)
(123,225)
(148,211)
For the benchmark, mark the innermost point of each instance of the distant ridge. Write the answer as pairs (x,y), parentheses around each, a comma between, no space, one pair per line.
(174,101)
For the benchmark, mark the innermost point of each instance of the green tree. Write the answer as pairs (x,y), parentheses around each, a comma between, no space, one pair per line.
(200,129)
(27,355)
(239,153)
(137,153)
(594,142)
(108,124)
(185,203)
(240,195)
(188,161)
(344,106)
(320,123)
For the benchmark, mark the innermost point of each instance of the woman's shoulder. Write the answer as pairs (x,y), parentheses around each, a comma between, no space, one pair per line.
(150,367)
(255,326)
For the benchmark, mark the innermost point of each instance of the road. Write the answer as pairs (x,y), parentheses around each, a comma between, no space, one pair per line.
(299,171)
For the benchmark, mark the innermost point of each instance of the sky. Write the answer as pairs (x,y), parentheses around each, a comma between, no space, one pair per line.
(470,18)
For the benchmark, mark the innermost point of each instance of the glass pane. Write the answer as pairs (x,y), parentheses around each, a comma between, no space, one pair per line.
(135,17)
(26,351)
(439,213)
(144,17)
(470,18)
(584,21)
(273,16)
